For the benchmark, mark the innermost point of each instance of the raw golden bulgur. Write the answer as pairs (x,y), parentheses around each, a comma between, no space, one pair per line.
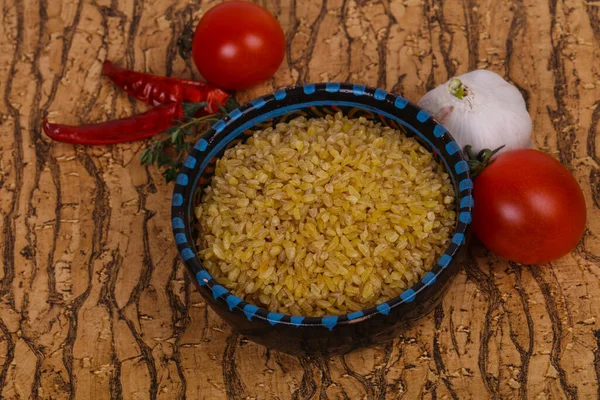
(324,216)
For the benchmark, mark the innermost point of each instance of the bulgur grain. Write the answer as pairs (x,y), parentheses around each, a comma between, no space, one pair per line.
(324,216)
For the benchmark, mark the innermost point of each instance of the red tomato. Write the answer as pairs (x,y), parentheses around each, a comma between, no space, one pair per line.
(238,45)
(528,207)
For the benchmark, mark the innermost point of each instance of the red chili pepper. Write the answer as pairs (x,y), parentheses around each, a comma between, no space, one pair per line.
(136,127)
(157,90)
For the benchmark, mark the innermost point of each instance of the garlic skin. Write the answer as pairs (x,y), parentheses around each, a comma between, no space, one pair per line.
(492,112)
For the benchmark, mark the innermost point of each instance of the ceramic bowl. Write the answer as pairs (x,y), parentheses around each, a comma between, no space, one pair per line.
(297,334)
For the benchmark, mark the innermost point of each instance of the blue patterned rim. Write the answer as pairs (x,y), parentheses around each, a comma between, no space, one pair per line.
(291,100)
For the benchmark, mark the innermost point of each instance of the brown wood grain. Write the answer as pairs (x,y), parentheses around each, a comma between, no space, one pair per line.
(94,303)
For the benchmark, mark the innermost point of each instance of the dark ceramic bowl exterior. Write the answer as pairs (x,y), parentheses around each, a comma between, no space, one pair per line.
(330,334)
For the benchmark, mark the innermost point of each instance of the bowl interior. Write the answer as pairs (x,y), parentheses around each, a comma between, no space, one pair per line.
(312,101)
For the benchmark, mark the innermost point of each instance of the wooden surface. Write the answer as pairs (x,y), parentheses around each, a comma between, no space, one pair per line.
(94,303)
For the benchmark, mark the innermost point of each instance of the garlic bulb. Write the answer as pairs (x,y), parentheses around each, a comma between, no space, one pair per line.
(481,109)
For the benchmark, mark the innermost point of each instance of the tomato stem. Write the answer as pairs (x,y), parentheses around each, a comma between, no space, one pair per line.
(477,163)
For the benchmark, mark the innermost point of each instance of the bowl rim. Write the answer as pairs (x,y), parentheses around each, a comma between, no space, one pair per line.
(198,159)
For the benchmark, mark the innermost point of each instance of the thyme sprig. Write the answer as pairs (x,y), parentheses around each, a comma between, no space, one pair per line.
(169,151)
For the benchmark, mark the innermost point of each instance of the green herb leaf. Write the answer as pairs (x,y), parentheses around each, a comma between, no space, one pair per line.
(174,136)
(230,105)
(223,109)
(191,109)
(170,174)
(163,159)
(146,155)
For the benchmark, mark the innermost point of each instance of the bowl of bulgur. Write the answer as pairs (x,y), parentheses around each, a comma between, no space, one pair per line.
(323,217)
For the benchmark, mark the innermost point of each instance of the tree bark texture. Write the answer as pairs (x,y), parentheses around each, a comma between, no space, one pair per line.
(94,302)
